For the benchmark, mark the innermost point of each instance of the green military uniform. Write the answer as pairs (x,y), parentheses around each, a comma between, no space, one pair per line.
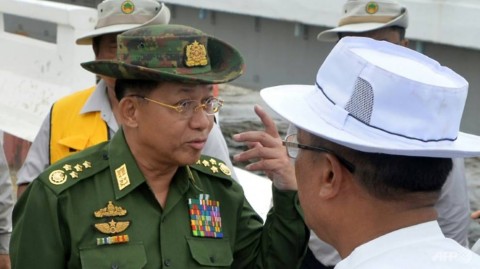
(94,211)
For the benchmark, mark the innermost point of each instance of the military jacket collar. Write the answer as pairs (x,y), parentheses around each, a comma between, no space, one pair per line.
(125,173)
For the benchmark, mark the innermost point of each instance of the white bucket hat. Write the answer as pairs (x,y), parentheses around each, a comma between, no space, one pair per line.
(363,16)
(374,96)
(115,16)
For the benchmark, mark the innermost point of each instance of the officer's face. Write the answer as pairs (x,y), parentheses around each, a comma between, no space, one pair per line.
(167,136)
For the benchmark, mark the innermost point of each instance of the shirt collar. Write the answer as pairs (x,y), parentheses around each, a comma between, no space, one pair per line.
(405,236)
(98,101)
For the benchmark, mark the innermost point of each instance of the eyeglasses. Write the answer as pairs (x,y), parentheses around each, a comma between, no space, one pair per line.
(293,148)
(186,108)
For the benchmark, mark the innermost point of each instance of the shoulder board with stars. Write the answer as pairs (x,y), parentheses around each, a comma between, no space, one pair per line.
(213,166)
(67,172)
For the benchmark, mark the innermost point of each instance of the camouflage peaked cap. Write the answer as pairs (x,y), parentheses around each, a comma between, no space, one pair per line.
(171,53)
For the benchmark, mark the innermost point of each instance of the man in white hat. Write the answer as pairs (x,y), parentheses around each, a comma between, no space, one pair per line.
(372,150)
(87,117)
(387,20)
(381,20)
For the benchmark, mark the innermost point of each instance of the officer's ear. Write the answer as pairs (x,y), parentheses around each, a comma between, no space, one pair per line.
(127,110)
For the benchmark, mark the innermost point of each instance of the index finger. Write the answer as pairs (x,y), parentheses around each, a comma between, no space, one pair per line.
(270,127)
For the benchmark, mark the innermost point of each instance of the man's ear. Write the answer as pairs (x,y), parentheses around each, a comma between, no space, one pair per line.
(405,42)
(331,177)
(127,110)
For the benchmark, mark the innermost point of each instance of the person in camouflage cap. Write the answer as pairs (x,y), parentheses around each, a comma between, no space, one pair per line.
(148,198)
(88,117)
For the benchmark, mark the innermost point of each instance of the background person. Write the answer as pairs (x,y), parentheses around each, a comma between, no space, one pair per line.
(381,20)
(87,117)
(6,206)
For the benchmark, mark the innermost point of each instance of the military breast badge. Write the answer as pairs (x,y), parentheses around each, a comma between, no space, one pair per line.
(205,218)
(196,55)
(112,227)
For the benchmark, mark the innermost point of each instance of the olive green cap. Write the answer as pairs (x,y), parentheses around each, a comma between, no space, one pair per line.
(171,53)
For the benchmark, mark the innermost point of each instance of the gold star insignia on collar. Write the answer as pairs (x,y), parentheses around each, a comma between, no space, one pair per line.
(213,162)
(67,167)
(87,164)
(198,162)
(205,163)
(214,169)
(74,174)
(78,167)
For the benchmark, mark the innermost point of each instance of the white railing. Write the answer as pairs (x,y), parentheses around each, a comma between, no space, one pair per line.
(35,73)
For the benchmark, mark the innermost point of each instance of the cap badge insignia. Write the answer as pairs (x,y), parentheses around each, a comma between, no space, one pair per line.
(205,218)
(111,227)
(57,177)
(110,210)
(196,55)
(371,7)
(127,7)
(122,177)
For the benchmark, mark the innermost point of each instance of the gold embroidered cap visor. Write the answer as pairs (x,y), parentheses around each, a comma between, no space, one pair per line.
(171,53)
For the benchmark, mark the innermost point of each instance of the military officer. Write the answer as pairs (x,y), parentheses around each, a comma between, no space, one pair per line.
(147,198)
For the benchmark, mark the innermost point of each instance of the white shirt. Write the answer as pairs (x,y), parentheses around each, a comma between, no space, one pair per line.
(453,209)
(421,246)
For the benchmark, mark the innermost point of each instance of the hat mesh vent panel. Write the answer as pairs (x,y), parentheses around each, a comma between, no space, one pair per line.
(360,104)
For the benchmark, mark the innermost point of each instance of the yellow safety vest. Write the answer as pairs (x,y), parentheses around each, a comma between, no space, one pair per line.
(71,131)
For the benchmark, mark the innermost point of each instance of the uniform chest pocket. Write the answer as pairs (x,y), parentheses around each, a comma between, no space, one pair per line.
(118,256)
(211,252)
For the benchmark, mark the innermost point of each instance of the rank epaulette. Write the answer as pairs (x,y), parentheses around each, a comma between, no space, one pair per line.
(212,166)
(70,170)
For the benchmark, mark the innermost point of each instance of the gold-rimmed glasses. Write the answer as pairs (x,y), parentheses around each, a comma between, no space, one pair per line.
(186,108)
